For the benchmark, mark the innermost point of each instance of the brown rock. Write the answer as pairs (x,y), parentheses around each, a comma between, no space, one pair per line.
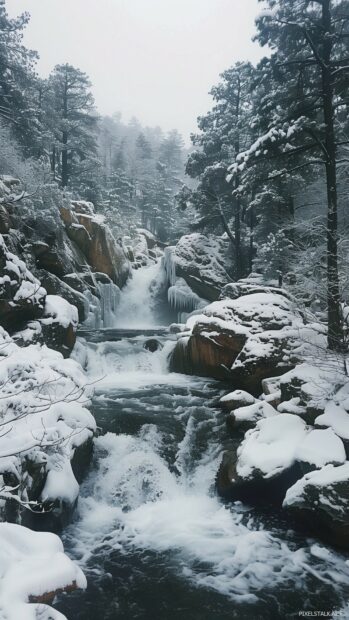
(208,352)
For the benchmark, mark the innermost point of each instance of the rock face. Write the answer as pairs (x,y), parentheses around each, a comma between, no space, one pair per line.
(201,261)
(95,241)
(244,340)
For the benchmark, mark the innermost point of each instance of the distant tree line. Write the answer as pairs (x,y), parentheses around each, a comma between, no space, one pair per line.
(131,173)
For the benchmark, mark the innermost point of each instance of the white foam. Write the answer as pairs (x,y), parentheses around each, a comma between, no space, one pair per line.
(136,307)
(139,504)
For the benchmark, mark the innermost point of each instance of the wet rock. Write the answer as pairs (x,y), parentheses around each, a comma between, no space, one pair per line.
(208,352)
(152,345)
(245,340)
(321,500)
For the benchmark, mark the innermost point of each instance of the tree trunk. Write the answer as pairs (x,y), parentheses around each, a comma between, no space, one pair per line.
(53,161)
(65,171)
(251,254)
(335,336)
(237,230)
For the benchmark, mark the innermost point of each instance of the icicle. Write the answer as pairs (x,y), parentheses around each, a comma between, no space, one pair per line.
(169,264)
(182,298)
(104,307)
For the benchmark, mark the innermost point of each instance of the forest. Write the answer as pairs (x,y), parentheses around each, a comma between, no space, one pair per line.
(174,338)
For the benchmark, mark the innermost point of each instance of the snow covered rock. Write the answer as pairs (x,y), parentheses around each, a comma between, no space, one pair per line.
(247,416)
(56,329)
(33,569)
(149,237)
(321,499)
(21,295)
(245,340)
(45,422)
(236,399)
(59,324)
(56,286)
(201,260)
(275,454)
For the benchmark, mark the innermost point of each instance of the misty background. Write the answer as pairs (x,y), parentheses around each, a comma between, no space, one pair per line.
(151,59)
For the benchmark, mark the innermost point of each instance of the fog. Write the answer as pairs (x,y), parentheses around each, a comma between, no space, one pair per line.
(154,59)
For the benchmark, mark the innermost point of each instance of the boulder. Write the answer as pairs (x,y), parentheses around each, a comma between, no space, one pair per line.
(201,260)
(321,501)
(236,399)
(245,340)
(273,456)
(208,352)
(149,237)
(247,416)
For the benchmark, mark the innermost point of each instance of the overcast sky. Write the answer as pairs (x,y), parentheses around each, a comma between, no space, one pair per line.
(154,59)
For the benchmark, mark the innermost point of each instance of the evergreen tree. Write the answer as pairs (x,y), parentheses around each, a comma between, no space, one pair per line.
(75,124)
(307,83)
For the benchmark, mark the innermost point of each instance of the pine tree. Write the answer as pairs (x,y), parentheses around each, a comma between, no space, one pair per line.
(306,83)
(75,124)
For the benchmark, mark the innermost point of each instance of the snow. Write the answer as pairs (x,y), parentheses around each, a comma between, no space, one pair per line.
(32,564)
(253,413)
(321,447)
(239,396)
(271,447)
(335,417)
(43,413)
(279,441)
(60,482)
(322,478)
(61,311)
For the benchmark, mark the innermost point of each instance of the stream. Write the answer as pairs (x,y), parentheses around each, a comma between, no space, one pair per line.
(154,540)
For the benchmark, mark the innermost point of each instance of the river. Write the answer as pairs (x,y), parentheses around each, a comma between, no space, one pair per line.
(155,541)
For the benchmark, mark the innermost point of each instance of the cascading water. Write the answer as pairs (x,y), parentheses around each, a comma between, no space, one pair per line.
(152,536)
(136,302)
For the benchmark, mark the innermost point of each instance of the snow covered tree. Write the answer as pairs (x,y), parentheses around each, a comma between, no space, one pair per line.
(224,131)
(75,123)
(306,88)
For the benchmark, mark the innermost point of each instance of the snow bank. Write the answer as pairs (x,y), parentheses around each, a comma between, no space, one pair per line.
(43,415)
(32,565)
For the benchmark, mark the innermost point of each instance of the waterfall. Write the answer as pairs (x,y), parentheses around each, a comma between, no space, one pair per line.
(136,308)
